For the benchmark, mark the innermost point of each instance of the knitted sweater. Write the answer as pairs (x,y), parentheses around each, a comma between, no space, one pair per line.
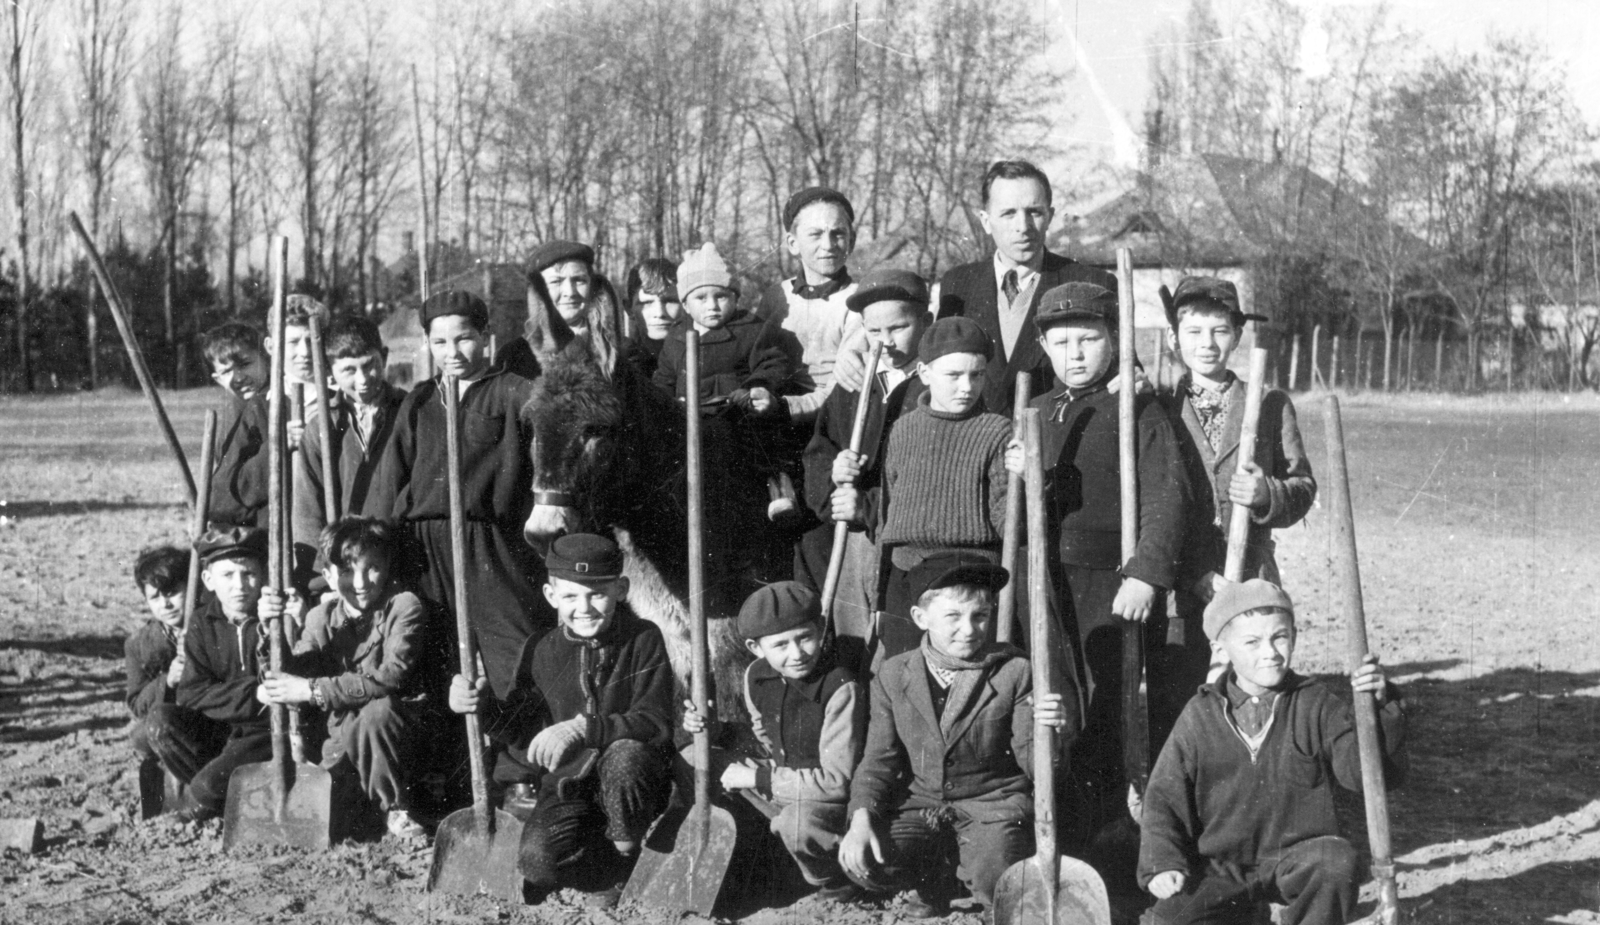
(944,479)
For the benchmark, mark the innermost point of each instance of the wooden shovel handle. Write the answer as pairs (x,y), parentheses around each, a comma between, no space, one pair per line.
(841,529)
(700,666)
(277,451)
(1041,651)
(466,646)
(1239,521)
(330,475)
(1347,588)
(1136,745)
(1006,613)
(197,526)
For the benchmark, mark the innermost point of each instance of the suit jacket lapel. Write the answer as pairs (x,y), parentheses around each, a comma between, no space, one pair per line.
(1197,431)
(916,691)
(1235,422)
(982,693)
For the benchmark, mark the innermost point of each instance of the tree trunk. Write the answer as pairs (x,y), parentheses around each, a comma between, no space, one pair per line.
(1333,366)
(1316,363)
(1294,362)
(1438,361)
(169,285)
(1388,353)
(19,194)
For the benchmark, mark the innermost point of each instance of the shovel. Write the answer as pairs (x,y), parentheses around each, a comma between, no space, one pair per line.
(278,802)
(1347,582)
(159,791)
(474,850)
(1005,620)
(1048,888)
(686,853)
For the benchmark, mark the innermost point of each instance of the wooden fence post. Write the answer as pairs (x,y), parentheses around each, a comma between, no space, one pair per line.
(1316,363)
(1294,362)
(1333,366)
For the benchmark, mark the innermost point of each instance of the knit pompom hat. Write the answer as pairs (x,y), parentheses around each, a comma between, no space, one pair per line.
(704,267)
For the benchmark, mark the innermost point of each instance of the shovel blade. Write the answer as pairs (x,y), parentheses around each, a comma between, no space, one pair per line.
(467,860)
(683,861)
(1029,893)
(260,812)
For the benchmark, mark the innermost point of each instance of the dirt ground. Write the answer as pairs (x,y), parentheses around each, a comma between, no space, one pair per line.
(1476,520)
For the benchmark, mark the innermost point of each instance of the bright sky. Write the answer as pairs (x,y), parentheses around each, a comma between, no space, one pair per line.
(1116,35)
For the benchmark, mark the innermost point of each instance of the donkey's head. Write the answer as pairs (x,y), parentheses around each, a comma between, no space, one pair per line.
(577,420)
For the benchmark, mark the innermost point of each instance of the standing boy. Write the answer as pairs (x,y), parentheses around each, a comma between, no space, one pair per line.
(842,486)
(1240,807)
(587,724)
(151,653)
(1083,511)
(944,476)
(808,715)
(1277,485)
(216,723)
(239,364)
(946,773)
(354,663)
(412,487)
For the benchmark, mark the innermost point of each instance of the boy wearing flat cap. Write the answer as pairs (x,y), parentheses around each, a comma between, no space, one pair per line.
(215,723)
(844,486)
(1083,508)
(1240,806)
(944,782)
(411,486)
(587,725)
(1207,325)
(808,717)
(944,476)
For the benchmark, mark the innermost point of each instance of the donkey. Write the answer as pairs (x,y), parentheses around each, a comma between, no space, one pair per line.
(609,457)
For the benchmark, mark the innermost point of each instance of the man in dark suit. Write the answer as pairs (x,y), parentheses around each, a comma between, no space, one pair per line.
(1002,293)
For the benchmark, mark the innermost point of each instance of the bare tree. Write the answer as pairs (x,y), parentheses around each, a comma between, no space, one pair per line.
(304,78)
(24,73)
(239,130)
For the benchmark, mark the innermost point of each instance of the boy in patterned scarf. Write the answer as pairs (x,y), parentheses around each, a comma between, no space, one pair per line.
(944,781)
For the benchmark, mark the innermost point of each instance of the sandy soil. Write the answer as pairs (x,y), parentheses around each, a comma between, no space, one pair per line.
(1479,557)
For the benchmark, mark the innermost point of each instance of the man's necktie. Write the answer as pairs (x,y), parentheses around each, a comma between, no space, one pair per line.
(1009,287)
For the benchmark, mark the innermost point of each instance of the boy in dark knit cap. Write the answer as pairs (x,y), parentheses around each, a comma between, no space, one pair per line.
(411,486)
(846,486)
(1240,807)
(1083,510)
(808,715)
(945,776)
(944,476)
(587,724)
(216,723)
(1207,325)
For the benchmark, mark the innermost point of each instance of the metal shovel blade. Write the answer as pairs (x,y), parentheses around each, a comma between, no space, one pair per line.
(1027,894)
(468,860)
(683,860)
(259,812)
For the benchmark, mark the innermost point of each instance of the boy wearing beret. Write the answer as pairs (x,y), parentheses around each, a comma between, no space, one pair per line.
(1240,807)
(354,662)
(944,476)
(411,486)
(844,486)
(215,723)
(1083,509)
(587,723)
(1278,486)
(808,716)
(945,775)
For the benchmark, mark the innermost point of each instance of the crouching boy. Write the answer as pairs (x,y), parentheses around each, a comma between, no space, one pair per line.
(945,775)
(808,716)
(1239,809)
(151,653)
(215,723)
(588,724)
(354,661)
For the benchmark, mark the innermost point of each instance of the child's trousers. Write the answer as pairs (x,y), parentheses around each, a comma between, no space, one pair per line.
(203,752)
(626,791)
(811,831)
(1315,879)
(923,839)
(374,740)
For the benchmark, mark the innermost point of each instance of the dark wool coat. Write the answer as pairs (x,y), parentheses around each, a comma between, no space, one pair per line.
(355,460)
(148,654)
(1083,484)
(239,481)
(835,422)
(1278,451)
(742,354)
(631,678)
(984,761)
(1210,800)
(970,290)
(222,668)
(497,481)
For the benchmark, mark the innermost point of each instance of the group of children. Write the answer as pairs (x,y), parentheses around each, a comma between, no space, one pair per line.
(890,748)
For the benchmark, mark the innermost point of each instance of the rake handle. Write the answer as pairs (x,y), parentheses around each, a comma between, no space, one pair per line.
(841,529)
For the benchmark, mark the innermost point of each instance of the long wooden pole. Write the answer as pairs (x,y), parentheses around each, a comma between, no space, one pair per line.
(1006,612)
(1347,588)
(1041,653)
(424,288)
(119,314)
(700,666)
(197,525)
(1239,523)
(1135,729)
(330,475)
(841,529)
(277,570)
(466,646)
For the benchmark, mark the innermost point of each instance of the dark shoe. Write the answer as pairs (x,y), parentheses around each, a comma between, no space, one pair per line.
(844,894)
(606,898)
(520,800)
(191,813)
(923,906)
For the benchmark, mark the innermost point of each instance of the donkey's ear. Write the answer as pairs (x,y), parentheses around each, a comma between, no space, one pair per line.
(545,330)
